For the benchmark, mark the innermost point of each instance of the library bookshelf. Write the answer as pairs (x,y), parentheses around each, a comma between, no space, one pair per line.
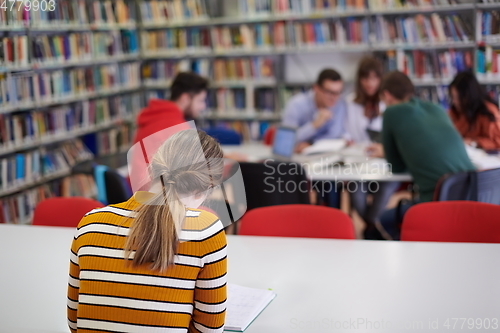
(82,71)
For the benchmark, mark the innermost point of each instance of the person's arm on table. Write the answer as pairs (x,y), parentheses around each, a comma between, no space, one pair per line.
(491,141)
(210,294)
(306,131)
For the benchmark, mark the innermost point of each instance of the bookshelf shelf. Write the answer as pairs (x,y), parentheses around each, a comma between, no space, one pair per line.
(419,82)
(41,181)
(52,139)
(490,5)
(423,46)
(68,100)
(485,79)
(430,9)
(84,63)
(257,83)
(241,115)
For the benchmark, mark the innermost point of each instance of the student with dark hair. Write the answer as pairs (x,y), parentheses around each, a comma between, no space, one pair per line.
(418,137)
(474,114)
(318,113)
(364,113)
(188,95)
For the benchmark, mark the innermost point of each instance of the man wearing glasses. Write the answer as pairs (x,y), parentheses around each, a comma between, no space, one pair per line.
(319,113)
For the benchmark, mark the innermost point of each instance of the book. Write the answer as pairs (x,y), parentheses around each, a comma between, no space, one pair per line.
(19,208)
(173,11)
(428,65)
(431,29)
(244,305)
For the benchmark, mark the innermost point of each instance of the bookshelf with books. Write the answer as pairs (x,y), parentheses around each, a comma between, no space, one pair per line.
(429,39)
(18,208)
(66,72)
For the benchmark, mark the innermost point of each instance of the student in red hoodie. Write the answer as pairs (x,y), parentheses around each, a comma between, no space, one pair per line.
(188,96)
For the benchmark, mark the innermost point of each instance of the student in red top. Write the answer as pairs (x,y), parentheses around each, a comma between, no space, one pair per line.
(473,113)
(188,96)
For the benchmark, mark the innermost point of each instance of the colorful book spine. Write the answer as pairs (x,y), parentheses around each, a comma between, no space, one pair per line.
(173,11)
(421,29)
(19,208)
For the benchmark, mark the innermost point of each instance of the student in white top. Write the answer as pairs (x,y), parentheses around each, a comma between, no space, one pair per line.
(364,112)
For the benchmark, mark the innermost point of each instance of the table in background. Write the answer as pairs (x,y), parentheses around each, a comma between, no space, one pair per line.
(320,283)
(257,152)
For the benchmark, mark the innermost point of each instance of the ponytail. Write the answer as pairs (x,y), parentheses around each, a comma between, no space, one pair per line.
(189,162)
(155,232)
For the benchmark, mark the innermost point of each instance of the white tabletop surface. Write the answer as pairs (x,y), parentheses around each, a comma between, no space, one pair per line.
(256,152)
(322,285)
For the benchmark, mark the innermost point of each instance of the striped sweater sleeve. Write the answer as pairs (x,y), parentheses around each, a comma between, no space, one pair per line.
(73,287)
(210,292)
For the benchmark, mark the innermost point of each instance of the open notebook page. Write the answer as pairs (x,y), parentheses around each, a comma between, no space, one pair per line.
(244,305)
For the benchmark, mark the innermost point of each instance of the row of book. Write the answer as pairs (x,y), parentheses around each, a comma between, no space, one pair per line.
(313,6)
(388,31)
(157,12)
(61,85)
(69,48)
(488,26)
(181,10)
(78,13)
(14,18)
(87,46)
(19,208)
(163,71)
(323,33)
(173,40)
(23,169)
(115,140)
(239,69)
(227,100)
(249,130)
(17,130)
(430,65)
(422,29)
(224,100)
(488,61)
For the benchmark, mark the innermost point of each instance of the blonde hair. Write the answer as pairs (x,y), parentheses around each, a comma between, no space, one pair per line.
(189,162)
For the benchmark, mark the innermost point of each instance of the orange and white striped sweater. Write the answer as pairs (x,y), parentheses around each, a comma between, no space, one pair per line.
(107,295)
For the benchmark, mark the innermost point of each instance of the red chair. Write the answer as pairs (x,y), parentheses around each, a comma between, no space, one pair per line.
(63,212)
(452,221)
(269,136)
(297,221)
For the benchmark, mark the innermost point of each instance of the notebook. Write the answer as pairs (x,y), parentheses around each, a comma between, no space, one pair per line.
(244,305)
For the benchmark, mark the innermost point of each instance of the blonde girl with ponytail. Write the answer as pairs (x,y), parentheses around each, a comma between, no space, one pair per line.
(155,263)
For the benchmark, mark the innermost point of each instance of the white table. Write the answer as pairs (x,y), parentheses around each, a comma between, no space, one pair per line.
(355,172)
(321,284)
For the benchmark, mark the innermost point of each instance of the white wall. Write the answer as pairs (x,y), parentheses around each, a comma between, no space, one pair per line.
(305,67)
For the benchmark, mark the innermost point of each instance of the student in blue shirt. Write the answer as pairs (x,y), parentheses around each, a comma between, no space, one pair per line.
(319,113)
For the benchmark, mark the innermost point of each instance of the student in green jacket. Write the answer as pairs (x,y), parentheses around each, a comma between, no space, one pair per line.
(417,137)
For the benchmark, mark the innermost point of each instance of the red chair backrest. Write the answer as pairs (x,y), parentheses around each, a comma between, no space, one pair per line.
(63,212)
(452,221)
(297,221)
(269,136)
